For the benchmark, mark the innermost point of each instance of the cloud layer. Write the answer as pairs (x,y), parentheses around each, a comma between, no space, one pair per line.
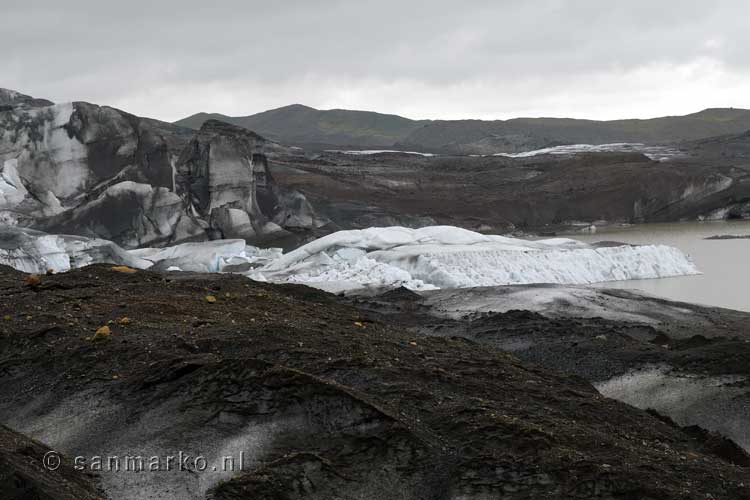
(436,59)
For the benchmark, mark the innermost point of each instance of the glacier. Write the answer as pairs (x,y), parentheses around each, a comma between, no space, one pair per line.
(428,258)
(36,252)
(98,172)
(208,256)
(656,153)
(368,152)
(450,257)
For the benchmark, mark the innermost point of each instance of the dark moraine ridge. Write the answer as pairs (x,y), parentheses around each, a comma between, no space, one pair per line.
(327,400)
(496,194)
(687,361)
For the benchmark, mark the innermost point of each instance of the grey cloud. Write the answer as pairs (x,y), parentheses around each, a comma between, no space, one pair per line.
(132,53)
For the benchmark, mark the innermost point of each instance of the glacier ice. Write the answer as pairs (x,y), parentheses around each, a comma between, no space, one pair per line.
(450,257)
(12,190)
(421,259)
(33,251)
(94,171)
(658,153)
(207,256)
(367,152)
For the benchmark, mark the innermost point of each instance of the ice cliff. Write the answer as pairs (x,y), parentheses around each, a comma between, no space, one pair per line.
(426,258)
(98,172)
(36,252)
(450,257)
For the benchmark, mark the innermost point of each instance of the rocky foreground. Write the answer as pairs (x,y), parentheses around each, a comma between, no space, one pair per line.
(689,362)
(326,400)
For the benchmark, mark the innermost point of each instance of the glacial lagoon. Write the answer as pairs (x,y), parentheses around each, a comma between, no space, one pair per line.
(725,263)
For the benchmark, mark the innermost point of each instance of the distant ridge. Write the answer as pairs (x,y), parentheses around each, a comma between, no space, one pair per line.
(300,125)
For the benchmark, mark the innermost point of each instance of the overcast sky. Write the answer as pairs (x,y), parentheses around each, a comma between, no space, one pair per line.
(167,59)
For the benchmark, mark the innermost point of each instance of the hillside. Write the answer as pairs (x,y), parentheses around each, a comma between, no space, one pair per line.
(304,126)
(730,148)
(308,127)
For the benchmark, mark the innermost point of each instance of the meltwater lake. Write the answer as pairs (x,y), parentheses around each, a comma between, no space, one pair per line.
(725,264)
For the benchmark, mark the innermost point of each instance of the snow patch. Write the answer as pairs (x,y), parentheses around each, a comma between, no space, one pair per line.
(366,152)
(658,153)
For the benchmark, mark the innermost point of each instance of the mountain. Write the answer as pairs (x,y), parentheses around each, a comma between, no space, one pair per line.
(311,128)
(308,127)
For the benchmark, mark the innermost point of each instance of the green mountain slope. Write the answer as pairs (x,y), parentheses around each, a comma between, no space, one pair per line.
(305,126)
(308,127)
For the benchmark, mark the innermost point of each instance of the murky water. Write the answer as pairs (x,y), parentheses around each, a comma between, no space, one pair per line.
(725,264)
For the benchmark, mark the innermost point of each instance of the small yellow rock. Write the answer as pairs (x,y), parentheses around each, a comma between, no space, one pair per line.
(34,280)
(124,269)
(210,299)
(124,320)
(7,317)
(359,324)
(102,333)
(412,343)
